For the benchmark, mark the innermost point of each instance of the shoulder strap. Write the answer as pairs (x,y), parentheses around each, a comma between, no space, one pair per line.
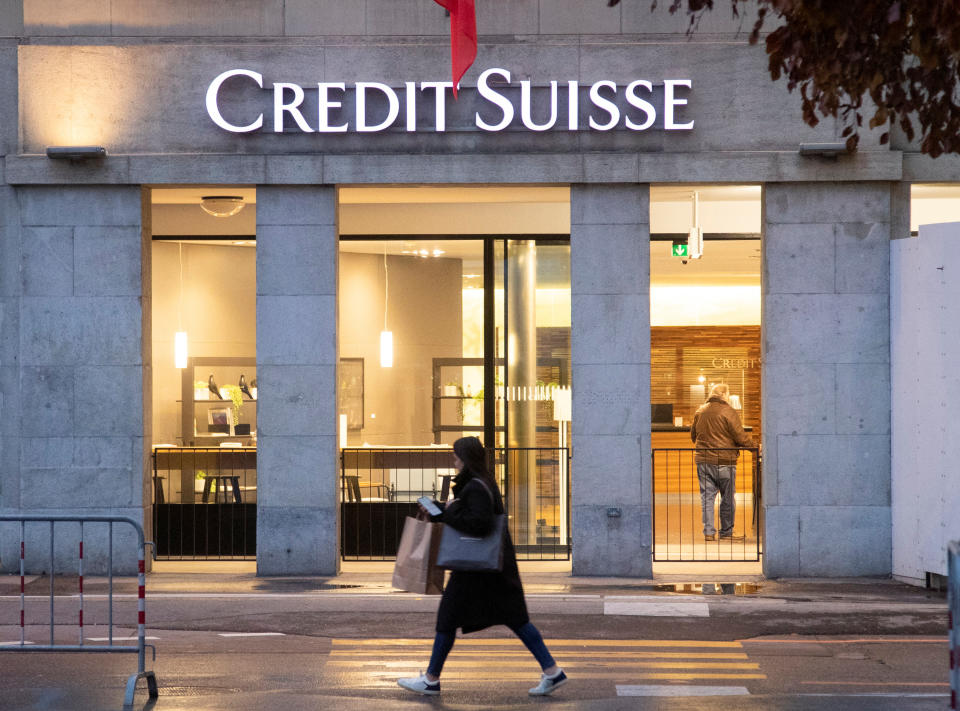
(486,488)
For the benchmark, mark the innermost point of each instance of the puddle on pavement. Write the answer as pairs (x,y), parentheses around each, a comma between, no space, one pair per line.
(710,588)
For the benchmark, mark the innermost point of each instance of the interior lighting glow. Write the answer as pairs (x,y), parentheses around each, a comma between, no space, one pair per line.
(386,349)
(180,349)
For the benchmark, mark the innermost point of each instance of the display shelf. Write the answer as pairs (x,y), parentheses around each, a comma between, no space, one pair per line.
(188,403)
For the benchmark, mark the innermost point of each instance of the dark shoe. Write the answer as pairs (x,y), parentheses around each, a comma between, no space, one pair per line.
(213,387)
(548,684)
(421,685)
(732,538)
(710,537)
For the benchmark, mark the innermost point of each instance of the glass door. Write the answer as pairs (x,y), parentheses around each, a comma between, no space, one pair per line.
(536,374)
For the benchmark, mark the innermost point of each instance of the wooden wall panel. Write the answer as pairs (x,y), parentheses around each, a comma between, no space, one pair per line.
(721,354)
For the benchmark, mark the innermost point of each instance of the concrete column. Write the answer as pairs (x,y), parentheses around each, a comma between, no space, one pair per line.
(298,514)
(826,379)
(610,294)
(10,291)
(79,372)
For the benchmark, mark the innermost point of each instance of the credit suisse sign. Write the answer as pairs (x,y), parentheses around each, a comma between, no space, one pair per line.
(636,106)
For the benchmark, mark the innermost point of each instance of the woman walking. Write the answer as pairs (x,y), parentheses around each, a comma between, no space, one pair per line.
(473,601)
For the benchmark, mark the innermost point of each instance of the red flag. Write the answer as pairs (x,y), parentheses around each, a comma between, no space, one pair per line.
(463,37)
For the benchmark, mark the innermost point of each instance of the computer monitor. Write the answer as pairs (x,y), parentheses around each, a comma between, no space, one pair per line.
(661,413)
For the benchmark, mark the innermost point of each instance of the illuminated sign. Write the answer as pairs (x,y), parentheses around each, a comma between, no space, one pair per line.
(635,106)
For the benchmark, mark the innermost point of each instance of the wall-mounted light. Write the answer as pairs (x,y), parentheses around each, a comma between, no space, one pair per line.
(76,153)
(221,205)
(823,150)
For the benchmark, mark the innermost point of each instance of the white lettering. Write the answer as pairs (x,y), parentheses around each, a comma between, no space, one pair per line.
(635,110)
(440,101)
(604,105)
(411,105)
(645,106)
(280,108)
(213,109)
(573,105)
(669,102)
(392,101)
(493,97)
(325,104)
(525,112)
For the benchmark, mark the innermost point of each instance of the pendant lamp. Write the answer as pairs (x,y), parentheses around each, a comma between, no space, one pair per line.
(386,336)
(180,337)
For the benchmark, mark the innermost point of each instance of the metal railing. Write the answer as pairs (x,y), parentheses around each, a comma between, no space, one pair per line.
(205,502)
(677,510)
(953,603)
(139,648)
(379,488)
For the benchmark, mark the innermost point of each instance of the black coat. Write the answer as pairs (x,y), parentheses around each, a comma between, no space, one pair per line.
(475,600)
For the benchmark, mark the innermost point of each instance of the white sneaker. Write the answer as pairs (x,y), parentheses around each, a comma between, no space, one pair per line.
(421,685)
(548,684)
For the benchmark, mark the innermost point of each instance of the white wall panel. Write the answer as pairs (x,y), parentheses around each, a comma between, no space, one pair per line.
(925,353)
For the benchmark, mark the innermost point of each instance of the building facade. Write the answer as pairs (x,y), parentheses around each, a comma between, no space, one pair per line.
(301,101)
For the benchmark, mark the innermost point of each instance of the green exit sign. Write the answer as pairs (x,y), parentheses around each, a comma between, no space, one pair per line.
(680,249)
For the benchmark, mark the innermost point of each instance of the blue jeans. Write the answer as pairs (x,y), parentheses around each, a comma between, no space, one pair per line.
(528,634)
(715,478)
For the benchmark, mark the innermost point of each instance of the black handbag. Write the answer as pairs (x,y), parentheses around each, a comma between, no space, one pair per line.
(461,551)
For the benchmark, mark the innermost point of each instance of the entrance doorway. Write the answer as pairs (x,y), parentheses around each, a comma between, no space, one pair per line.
(705,330)
(445,336)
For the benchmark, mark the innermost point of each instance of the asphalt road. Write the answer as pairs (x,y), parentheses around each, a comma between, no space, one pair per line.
(301,648)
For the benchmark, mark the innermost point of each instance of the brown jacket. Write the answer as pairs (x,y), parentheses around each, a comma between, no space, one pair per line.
(717,425)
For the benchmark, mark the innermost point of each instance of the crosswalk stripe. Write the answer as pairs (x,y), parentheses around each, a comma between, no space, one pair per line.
(603,664)
(656,609)
(524,654)
(620,661)
(494,675)
(679,690)
(552,643)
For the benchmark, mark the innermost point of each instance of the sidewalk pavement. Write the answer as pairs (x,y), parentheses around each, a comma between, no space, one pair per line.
(230,597)
(542,580)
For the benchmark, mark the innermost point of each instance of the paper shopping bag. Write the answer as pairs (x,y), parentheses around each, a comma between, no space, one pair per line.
(416,567)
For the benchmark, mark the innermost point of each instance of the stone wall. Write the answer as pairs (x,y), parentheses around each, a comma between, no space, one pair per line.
(611,499)
(298,512)
(826,379)
(308,18)
(74,412)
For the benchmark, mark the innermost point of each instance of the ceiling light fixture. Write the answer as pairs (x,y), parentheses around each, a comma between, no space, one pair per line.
(221,205)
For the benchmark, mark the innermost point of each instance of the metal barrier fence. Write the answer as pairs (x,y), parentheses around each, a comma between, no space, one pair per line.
(53,646)
(953,615)
(677,509)
(205,502)
(379,488)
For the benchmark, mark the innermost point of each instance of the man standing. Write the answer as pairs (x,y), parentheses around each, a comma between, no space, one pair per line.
(718,435)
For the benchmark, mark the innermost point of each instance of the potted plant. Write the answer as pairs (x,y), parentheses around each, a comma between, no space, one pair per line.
(236,396)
